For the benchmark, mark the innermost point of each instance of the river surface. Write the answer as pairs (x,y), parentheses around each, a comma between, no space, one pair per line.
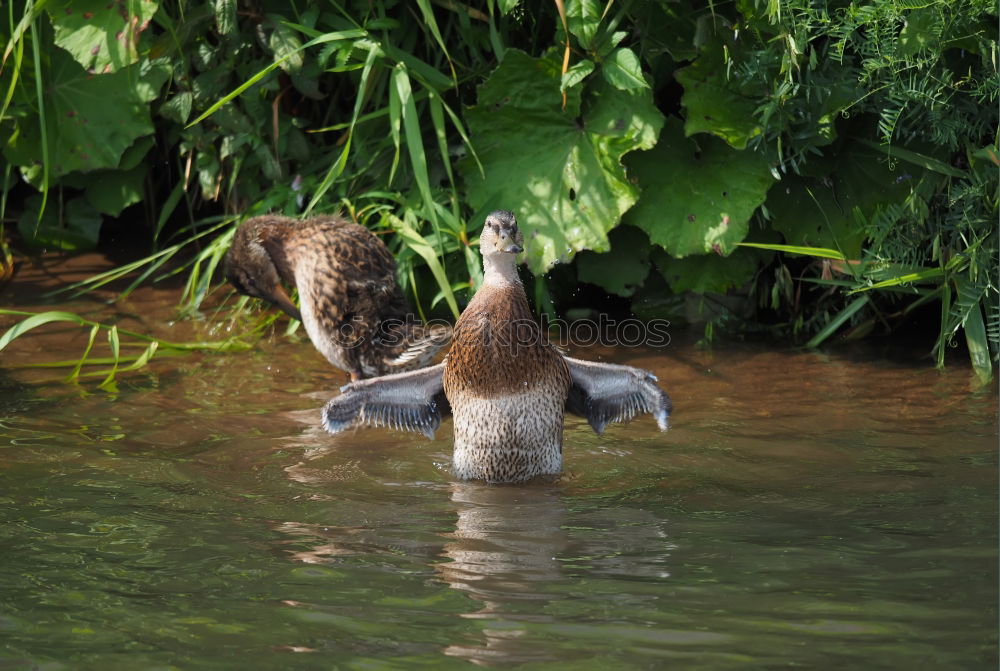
(805,510)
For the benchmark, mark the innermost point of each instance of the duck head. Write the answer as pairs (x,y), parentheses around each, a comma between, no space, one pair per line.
(251,270)
(500,234)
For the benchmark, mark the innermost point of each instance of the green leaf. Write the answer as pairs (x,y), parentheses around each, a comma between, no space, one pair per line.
(622,270)
(622,70)
(75,373)
(178,108)
(507,6)
(559,170)
(134,155)
(576,74)
(225,15)
(102,36)
(113,341)
(712,104)
(90,119)
(919,31)
(707,272)
(114,190)
(697,198)
(286,47)
(583,18)
(819,211)
(77,231)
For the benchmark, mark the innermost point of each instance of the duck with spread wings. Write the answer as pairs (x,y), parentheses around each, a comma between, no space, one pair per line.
(505,385)
(351,306)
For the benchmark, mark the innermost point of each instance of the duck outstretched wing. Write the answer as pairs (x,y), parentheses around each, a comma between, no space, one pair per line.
(412,401)
(603,393)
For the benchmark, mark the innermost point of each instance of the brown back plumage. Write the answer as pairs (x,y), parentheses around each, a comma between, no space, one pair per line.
(353,309)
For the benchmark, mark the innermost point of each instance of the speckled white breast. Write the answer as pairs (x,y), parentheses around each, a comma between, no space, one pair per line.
(319,334)
(511,438)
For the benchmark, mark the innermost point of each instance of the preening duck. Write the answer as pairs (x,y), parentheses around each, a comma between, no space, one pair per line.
(506,386)
(351,306)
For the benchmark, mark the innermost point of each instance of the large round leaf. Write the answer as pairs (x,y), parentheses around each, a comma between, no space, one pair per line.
(558,169)
(696,198)
(712,104)
(102,35)
(708,272)
(621,270)
(91,119)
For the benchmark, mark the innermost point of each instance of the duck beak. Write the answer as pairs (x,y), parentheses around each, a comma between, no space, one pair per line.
(279,297)
(511,248)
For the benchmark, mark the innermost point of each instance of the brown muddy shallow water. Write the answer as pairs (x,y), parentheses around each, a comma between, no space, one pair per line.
(805,510)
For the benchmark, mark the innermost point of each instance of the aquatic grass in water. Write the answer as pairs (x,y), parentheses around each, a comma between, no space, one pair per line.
(119,361)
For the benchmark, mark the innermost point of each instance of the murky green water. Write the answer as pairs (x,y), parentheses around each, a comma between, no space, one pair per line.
(803,511)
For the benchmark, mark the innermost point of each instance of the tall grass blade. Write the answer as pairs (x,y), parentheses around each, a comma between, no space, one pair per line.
(943,334)
(915,158)
(457,123)
(256,77)
(818,252)
(418,244)
(979,349)
(837,322)
(906,278)
(31,10)
(437,118)
(153,260)
(338,167)
(75,373)
(42,121)
(395,119)
(431,22)
(17,45)
(136,364)
(36,320)
(168,209)
(414,141)
(109,382)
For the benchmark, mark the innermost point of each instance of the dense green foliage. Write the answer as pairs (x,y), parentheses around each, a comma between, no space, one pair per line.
(850,147)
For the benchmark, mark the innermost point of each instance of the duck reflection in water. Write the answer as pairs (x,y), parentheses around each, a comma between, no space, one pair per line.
(503,555)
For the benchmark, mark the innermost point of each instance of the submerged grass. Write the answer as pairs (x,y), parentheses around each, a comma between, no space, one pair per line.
(120,362)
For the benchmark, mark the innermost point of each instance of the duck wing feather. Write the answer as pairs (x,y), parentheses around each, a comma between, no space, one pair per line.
(425,343)
(412,401)
(603,393)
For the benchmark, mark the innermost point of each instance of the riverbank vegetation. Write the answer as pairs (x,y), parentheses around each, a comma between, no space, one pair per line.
(804,169)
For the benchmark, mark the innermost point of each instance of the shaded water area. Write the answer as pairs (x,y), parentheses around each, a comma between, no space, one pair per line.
(805,509)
